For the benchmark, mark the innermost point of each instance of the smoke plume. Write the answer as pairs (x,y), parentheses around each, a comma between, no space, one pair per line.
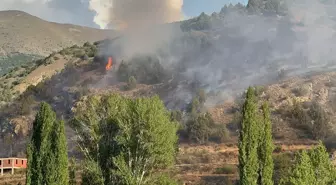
(135,13)
(240,49)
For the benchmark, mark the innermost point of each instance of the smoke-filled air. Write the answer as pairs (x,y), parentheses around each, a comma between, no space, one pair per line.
(121,14)
(230,50)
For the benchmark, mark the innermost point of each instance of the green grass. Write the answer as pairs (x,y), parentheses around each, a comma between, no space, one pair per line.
(8,63)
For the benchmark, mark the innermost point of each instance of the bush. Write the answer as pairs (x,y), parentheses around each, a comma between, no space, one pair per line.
(79,53)
(26,104)
(199,128)
(301,91)
(146,70)
(315,120)
(282,165)
(321,121)
(16,83)
(87,44)
(176,115)
(219,133)
(226,169)
(201,96)
(92,174)
(259,90)
(131,84)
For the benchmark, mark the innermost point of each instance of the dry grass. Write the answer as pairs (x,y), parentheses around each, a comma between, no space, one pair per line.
(24,33)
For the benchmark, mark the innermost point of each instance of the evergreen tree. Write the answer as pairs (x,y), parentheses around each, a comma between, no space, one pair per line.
(248,141)
(59,147)
(302,172)
(323,168)
(266,149)
(313,167)
(39,150)
(46,159)
(30,164)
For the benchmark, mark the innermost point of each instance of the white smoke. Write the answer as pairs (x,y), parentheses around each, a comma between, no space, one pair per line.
(135,13)
(102,9)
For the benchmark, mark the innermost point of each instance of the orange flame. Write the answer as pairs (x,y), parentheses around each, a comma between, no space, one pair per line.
(109,64)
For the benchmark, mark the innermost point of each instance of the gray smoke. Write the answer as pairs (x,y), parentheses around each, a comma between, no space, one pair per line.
(242,49)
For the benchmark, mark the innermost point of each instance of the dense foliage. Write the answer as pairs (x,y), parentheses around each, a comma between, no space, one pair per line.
(248,141)
(129,139)
(47,150)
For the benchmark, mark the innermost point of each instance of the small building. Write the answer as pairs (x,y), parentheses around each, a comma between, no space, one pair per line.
(11,164)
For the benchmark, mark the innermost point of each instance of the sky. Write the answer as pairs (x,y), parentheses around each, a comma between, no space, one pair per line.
(77,11)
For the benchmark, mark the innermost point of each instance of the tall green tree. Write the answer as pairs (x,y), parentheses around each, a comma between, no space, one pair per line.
(248,141)
(60,150)
(312,167)
(132,140)
(324,170)
(40,146)
(46,150)
(266,149)
(302,173)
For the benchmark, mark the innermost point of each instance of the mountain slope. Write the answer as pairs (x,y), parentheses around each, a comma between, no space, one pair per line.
(23,33)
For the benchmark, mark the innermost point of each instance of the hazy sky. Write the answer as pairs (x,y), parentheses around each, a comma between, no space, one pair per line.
(77,11)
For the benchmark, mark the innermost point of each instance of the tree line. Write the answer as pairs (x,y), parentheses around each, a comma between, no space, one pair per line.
(256,166)
(134,142)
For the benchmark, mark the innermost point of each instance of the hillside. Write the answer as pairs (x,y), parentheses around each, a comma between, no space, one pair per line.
(23,33)
(201,68)
(65,80)
(25,38)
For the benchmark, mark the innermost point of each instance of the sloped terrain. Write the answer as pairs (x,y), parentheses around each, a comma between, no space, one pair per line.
(64,82)
(23,33)
(215,62)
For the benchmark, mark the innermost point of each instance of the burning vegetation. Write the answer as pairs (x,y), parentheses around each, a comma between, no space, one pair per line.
(109,63)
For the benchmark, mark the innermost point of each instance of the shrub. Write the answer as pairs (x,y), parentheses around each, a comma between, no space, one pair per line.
(25,104)
(315,120)
(259,90)
(321,121)
(79,53)
(201,96)
(226,169)
(199,128)
(16,83)
(219,133)
(176,115)
(131,84)
(282,165)
(300,91)
(87,44)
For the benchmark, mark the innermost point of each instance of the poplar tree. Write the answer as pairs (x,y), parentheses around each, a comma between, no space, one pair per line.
(266,149)
(248,141)
(39,148)
(47,150)
(61,172)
